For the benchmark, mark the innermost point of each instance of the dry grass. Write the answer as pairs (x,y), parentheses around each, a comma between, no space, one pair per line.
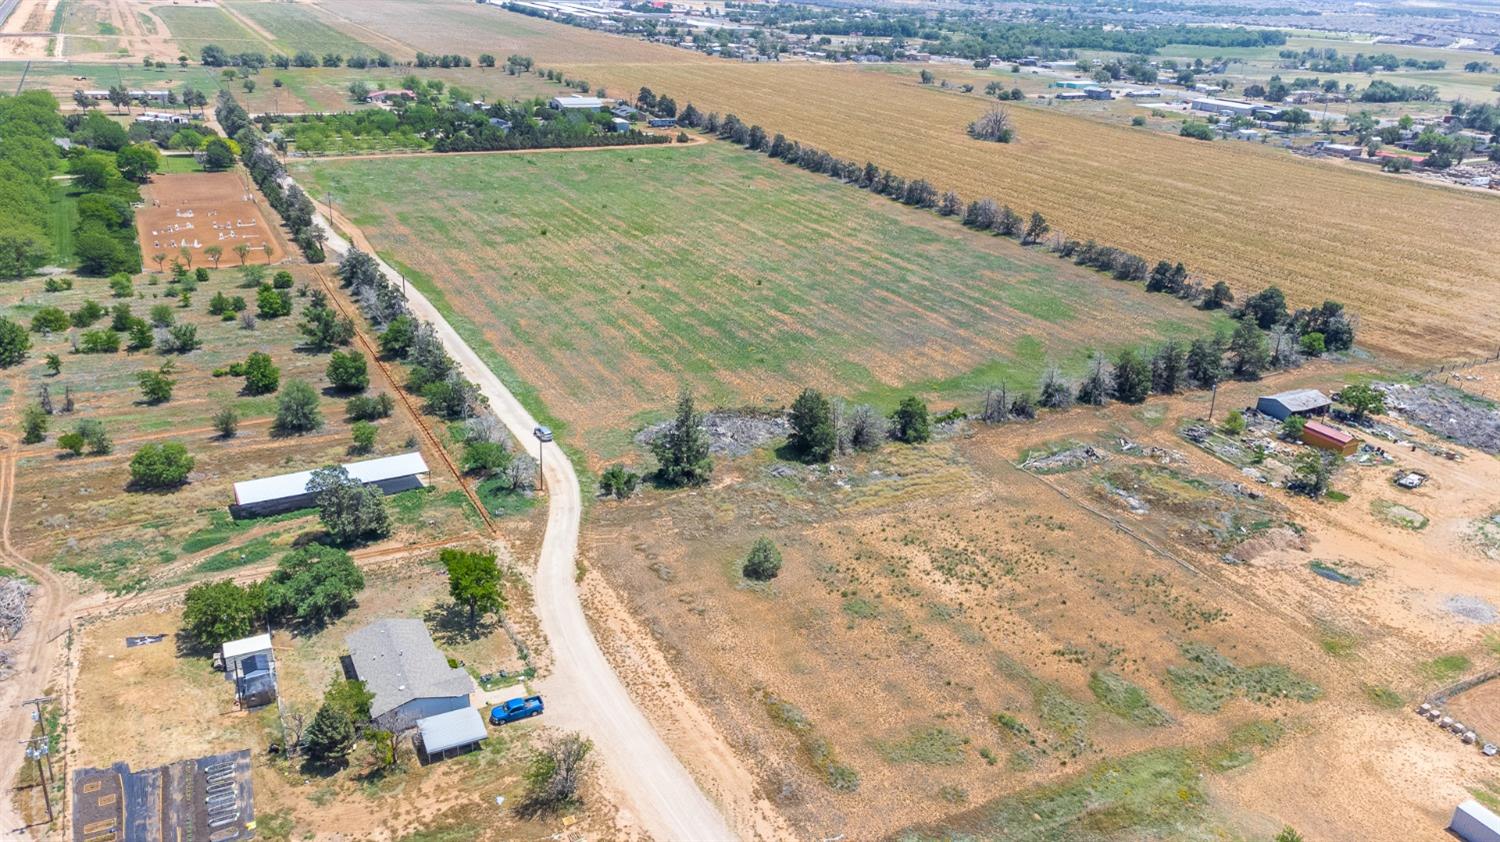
(1413,260)
(75,512)
(612,278)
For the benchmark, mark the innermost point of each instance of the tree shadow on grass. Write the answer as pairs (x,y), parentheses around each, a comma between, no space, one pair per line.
(450,622)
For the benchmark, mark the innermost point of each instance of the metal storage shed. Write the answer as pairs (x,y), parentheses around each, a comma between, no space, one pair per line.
(451,733)
(1473,822)
(1296,402)
(288,492)
(1327,438)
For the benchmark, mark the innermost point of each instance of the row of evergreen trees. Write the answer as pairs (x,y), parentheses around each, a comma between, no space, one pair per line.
(295,208)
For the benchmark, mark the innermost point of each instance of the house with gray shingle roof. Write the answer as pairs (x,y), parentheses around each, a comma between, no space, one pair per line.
(411,680)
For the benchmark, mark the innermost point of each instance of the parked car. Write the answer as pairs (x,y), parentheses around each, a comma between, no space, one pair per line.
(515,710)
(543,433)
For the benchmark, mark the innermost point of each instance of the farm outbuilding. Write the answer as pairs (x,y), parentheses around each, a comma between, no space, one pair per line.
(1224,107)
(1474,822)
(1283,405)
(576,103)
(251,665)
(450,734)
(411,680)
(1325,437)
(288,492)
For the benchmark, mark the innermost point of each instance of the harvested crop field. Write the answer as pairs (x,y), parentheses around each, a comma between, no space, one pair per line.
(195,27)
(469,28)
(197,211)
(1248,215)
(608,279)
(299,27)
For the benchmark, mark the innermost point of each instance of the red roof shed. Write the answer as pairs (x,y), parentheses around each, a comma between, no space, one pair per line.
(1327,438)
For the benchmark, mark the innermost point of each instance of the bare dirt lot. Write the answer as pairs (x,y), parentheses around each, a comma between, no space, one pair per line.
(197,211)
(1003,644)
(154,704)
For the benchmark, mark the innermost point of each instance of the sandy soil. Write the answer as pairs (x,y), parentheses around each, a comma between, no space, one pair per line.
(197,211)
(848,632)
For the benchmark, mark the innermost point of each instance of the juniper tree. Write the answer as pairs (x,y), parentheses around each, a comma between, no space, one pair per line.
(1095,388)
(1168,366)
(813,435)
(682,449)
(1205,363)
(1132,377)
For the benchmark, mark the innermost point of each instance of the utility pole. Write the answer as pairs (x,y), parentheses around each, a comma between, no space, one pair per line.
(1212,399)
(37,749)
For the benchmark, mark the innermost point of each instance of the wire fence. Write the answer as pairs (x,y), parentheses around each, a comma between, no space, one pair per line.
(1449,368)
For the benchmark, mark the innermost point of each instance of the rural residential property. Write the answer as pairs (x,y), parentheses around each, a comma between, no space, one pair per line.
(456,421)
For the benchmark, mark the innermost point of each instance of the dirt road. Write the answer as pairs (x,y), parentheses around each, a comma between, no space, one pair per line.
(583,692)
(35,649)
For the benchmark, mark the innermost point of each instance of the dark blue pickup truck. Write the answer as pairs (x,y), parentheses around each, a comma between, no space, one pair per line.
(515,710)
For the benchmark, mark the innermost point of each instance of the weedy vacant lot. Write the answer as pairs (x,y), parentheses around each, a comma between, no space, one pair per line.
(966,640)
(75,512)
(1412,260)
(608,279)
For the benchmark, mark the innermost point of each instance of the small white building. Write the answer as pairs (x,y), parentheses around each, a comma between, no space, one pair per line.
(1474,822)
(251,665)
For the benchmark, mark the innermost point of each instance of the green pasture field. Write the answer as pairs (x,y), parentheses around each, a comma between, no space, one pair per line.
(296,27)
(195,27)
(61,77)
(64,215)
(606,280)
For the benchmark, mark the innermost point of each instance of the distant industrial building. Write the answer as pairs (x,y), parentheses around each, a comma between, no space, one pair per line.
(576,103)
(662,122)
(1325,437)
(288,492)
(1224,107)
(411,680)
(1098,93)
(1344,150)
(251,665)
(1474,822)
(1296,402)
(618,124)
(1074,84)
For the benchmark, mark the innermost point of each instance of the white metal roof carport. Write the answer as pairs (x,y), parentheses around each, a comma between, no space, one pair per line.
(451,730)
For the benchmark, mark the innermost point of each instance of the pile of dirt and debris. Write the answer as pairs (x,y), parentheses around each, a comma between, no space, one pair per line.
(15,600)
(1451,413)
(731,433)
(1472,608)
(1063,460)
